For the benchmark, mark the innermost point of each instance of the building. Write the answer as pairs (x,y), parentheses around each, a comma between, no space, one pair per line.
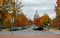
(37,19)
(36,15)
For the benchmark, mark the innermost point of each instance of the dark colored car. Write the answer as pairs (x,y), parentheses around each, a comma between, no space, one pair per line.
(39,28)
(24,28)
(15,29)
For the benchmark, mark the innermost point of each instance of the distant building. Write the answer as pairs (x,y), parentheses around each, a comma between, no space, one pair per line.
(36,15)
(37,19)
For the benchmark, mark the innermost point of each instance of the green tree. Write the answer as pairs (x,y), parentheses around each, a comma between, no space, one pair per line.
(45,20)
(7,7)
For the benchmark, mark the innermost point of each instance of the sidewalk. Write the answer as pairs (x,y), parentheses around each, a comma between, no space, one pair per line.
(30,36)
(52,30)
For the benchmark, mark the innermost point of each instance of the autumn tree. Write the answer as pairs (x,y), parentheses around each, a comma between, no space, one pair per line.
(22,20)
(45,20)
(4,8)
(17,10)
(7,23)
(57,9)
(29,23)
(37,19)
(9,6)
(37,22)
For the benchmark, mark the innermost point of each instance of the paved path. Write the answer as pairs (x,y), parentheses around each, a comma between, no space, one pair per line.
(28,32)
(30,36)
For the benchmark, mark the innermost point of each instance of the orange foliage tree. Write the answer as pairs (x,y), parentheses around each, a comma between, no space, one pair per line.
(37,22)
(58,22)
(29,23)
(6,22)
(5,5)
(57,9)
(22,20)
(52,23)
(1,2)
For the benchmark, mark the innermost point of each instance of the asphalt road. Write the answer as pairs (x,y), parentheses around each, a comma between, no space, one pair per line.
(29,32)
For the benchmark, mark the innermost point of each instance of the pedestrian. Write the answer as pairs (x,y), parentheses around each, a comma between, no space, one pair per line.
(48,27)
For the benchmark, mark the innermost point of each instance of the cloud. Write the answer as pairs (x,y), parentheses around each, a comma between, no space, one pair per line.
(52,16)
(32,1)
(38,1)
(43,6)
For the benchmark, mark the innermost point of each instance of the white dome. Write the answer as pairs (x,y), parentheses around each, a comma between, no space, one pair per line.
(36,15)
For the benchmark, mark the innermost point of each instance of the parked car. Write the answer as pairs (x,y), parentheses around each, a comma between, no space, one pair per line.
(15,29)
(38,28)
(24,28)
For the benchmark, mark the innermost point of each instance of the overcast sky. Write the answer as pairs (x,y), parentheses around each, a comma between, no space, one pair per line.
(43,6)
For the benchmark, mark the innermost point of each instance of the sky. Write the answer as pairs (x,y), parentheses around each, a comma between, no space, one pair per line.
(42,6)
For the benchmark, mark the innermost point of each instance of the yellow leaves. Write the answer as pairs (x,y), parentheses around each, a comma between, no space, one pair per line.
(21,20)
(1,2)
(6,21)
(8,17)
(44,19)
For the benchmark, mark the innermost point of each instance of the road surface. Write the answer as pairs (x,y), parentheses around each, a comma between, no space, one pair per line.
(30,36)
(30,32)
